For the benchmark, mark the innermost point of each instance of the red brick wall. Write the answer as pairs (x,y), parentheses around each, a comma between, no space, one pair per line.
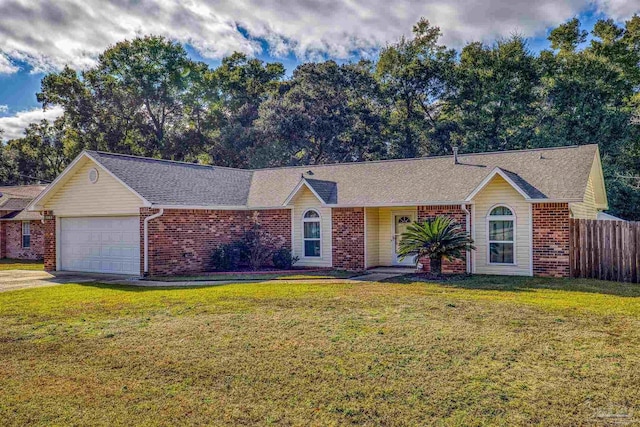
(13,240)
(182,241)
(49,242)
(551,239)
(348,238)
(458,266)
(3,240)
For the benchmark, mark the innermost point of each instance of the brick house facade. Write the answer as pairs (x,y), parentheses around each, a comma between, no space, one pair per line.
(348,238)
(11,245)
(182,241)
(359,210)
(551,239)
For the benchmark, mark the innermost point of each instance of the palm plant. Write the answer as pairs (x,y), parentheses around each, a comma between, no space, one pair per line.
(436,238)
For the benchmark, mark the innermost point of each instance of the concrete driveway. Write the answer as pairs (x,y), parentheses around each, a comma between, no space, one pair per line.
(11,280)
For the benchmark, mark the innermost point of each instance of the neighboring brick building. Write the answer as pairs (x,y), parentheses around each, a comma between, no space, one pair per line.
(131,215)
(21,232)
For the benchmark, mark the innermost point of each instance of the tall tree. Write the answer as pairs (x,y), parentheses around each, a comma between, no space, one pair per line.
(414,74)
(237,89)
(132,101)
(44,151)
(494,103)
(326,113)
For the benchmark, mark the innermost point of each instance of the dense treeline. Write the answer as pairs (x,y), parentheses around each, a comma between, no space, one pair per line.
(147,97)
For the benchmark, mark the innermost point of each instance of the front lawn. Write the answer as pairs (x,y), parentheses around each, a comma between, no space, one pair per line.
(482,351)
(16,264)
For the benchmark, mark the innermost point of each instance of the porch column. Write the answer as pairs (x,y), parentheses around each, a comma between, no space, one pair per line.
(49,241)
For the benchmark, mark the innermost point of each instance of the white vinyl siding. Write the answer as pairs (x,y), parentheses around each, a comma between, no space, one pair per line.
(79,197)
(302,202)
(373,232)
(500,192)
(586,209)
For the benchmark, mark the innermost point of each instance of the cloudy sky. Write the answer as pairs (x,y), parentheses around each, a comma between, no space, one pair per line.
(37,37)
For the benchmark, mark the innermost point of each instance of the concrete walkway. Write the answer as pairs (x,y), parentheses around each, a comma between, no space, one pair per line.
(11,280)
(22,279)
(373,275)
(383,273)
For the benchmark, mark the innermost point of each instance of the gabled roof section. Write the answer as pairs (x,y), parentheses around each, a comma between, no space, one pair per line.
(599,188)
(15,199)
(520,185)
(325,191)
(169,183)
(78,162)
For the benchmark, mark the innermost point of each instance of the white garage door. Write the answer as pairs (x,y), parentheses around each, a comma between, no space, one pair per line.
(100,245)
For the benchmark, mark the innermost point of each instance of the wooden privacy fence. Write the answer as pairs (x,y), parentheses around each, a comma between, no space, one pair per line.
(607,250)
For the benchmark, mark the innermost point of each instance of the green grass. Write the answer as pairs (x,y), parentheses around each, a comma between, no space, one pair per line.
(292,275)
(483,351)
(15,264)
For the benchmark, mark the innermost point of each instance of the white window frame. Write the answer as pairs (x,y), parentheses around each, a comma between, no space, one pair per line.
(511,217)
(26,231)
(304,239)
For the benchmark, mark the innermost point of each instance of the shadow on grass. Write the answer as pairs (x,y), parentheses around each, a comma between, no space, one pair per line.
(528,284)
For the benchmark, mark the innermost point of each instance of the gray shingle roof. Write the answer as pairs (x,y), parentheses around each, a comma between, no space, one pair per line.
(327,190)
(13,204)
(21,191)
(15,199)
(556,173)
(177,183)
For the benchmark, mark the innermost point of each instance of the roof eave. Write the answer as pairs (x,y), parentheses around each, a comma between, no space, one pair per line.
(33,206)
(303,182)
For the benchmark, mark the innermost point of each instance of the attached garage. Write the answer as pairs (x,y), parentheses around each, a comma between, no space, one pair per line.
(100,244)
(96,218)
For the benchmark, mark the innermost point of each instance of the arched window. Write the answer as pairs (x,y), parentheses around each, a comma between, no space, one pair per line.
(501,235)
(311,228)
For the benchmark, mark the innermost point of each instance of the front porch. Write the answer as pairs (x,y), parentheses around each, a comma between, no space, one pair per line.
(383,227)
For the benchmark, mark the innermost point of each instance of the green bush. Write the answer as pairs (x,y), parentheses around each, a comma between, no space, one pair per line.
(283,260)
(228,257)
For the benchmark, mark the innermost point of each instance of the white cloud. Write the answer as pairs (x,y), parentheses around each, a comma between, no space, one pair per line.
(4,108)
(49,34)
(619,9)
(13,126)
(6,67)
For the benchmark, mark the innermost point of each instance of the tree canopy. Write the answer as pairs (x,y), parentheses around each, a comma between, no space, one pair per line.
(147,97)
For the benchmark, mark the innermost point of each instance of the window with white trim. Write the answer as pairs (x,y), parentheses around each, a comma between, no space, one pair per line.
(26,234)
(501,229)
(311,234)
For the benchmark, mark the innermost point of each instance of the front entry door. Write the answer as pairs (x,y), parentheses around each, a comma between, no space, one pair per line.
(400,223)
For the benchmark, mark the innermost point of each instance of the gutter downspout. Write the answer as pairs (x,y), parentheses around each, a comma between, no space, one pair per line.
(146,238)
(468,228)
